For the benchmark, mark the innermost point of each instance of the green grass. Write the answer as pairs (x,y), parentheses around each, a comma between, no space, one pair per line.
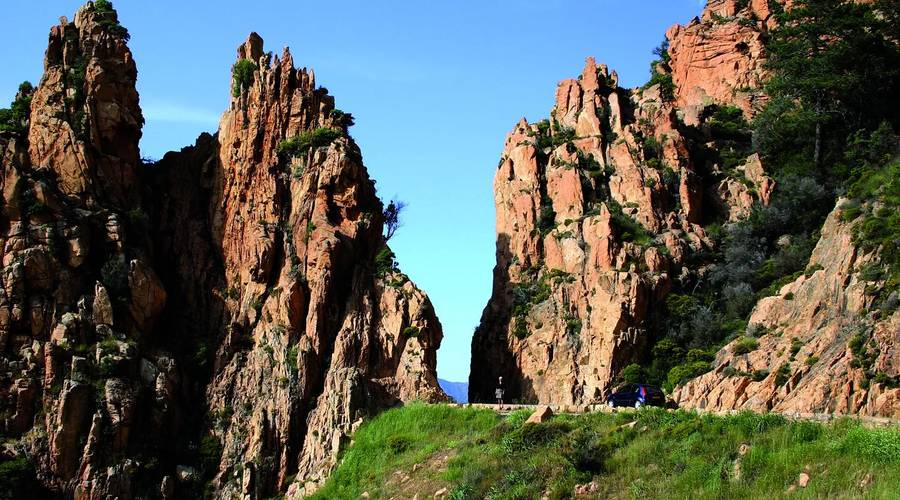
(479,454)
(397,440)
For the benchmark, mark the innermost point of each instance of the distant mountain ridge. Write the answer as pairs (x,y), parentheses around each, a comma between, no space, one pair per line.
(459,391)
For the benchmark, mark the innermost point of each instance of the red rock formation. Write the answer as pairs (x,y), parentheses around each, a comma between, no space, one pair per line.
(80,297)
(86,121)
(226,294)
(805,361)
(720,57)
(316,341)
(575,292)
(572,291)
(598,208)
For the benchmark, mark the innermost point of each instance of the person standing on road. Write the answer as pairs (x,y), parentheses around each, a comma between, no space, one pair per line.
(499,392)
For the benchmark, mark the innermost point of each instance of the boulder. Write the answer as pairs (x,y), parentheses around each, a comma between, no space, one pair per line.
(541,415)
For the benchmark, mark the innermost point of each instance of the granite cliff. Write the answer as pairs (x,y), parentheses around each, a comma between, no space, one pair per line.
(599,208)
(219,320)
(817,339)
(615,215)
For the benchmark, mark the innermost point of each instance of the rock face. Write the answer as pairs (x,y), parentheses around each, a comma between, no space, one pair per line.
(571,289)
(314,339)
(86,121)
(216,317)
(719,58)
(598,208)
(599,214)
(816,342)
(79,294)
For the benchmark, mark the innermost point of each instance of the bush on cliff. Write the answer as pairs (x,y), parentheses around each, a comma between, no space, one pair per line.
(342,119)
(18,480)
(301,143)
(15,118)
(875,187)
(385,262)
(242,73)
(109,19)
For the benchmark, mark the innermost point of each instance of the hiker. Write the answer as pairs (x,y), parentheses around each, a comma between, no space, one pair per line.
(499,392)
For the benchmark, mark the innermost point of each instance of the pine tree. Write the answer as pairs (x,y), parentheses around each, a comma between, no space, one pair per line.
(835,70)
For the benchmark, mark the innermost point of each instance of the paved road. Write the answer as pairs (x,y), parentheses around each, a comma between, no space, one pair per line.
(576,409)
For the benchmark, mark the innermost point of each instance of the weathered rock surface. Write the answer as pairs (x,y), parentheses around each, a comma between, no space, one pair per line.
(224,298)
(86,121)
(79,296)
(805,361)
(313,339)
(720,57)
(570,294)
(598,208)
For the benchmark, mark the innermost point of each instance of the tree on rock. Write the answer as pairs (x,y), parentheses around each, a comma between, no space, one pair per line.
(835,70)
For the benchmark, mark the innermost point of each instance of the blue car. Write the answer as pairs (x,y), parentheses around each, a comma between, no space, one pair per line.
(636,395)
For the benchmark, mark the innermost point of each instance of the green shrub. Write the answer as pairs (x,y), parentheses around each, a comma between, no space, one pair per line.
(796,345)
(15,118)
(546,138)
(573,326)
(681,306)
(850,211)
(109,19)
(627,227)
(633,374)
(562,136)
(665,82)
(728,122)
(300,144)
(812,269)
(662,51)
(242,74)
(385,262)
(546,219)
(680,374)
(342,119)
(783,374)
(527,294)
(559,276)
(398,444)
(411,331)
(17,479)
(744,345)
(114,276)
(520,328)
(210,453)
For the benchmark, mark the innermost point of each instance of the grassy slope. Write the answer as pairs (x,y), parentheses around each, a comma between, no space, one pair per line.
(478,454)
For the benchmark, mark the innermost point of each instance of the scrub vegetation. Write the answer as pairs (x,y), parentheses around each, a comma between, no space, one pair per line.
(652,453)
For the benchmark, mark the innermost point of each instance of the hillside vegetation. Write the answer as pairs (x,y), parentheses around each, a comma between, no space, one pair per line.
(476,453)
(829,130)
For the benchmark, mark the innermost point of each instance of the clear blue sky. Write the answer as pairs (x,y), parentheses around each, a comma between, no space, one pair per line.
(434,87)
